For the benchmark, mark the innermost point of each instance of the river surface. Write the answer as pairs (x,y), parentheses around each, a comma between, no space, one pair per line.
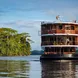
(31,67)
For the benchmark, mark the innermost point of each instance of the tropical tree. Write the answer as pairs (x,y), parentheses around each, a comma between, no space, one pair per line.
(12,43)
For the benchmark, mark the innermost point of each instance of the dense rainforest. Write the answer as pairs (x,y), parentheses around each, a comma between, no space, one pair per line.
(13,43)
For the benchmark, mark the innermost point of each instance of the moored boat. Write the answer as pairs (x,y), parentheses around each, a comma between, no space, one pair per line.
(59,40)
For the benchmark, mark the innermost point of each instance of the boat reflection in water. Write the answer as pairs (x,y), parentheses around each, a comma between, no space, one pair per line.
(61,69)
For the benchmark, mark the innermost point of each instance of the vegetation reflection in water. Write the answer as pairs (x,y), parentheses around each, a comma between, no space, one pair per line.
(54,69)
(33,69)
(14,69)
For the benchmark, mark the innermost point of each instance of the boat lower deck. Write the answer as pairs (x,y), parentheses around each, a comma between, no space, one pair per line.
(59,57)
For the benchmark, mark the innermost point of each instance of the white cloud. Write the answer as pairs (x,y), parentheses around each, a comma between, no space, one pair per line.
(31,27)
(22,24)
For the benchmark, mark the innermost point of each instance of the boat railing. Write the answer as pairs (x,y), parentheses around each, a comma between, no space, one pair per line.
(48,31)
(50,52)
(58,43)
(51,31)
(76,31)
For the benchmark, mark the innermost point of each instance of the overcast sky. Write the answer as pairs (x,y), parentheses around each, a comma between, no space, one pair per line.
(26,15)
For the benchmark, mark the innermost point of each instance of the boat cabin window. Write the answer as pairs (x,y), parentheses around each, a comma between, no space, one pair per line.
(60,26)
(76,28)
(46,49)
(66,49)
(47,27)
(72,27)
(69,27)
(43,39)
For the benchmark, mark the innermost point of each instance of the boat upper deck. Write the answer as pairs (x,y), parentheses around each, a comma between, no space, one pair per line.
(59,27)
(74,23)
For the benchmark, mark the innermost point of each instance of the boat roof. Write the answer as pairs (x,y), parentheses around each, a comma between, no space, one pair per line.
(59,23)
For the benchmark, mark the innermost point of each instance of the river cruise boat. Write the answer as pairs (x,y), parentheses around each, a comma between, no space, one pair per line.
(59,40)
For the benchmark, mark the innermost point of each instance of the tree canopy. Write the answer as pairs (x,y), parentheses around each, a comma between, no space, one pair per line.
(13,43)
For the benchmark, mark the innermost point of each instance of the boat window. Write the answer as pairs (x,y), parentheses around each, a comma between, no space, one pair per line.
(76,27)
(67,27)
(43,39)
(43,27)
(54,27)
(53,49)
(46,49)
(60,26)
(66,49)
(47,27)
(72,27)
(71,49)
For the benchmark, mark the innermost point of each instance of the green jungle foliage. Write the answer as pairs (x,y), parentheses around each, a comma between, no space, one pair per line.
(13,44)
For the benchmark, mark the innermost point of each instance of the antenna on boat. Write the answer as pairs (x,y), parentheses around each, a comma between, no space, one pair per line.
(57,17)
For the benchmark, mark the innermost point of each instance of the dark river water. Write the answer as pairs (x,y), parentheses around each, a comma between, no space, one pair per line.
(31,67)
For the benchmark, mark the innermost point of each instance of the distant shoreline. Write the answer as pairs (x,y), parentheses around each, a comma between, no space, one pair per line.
(36,52)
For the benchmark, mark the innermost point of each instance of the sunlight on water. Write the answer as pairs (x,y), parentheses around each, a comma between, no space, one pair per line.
(31,67)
